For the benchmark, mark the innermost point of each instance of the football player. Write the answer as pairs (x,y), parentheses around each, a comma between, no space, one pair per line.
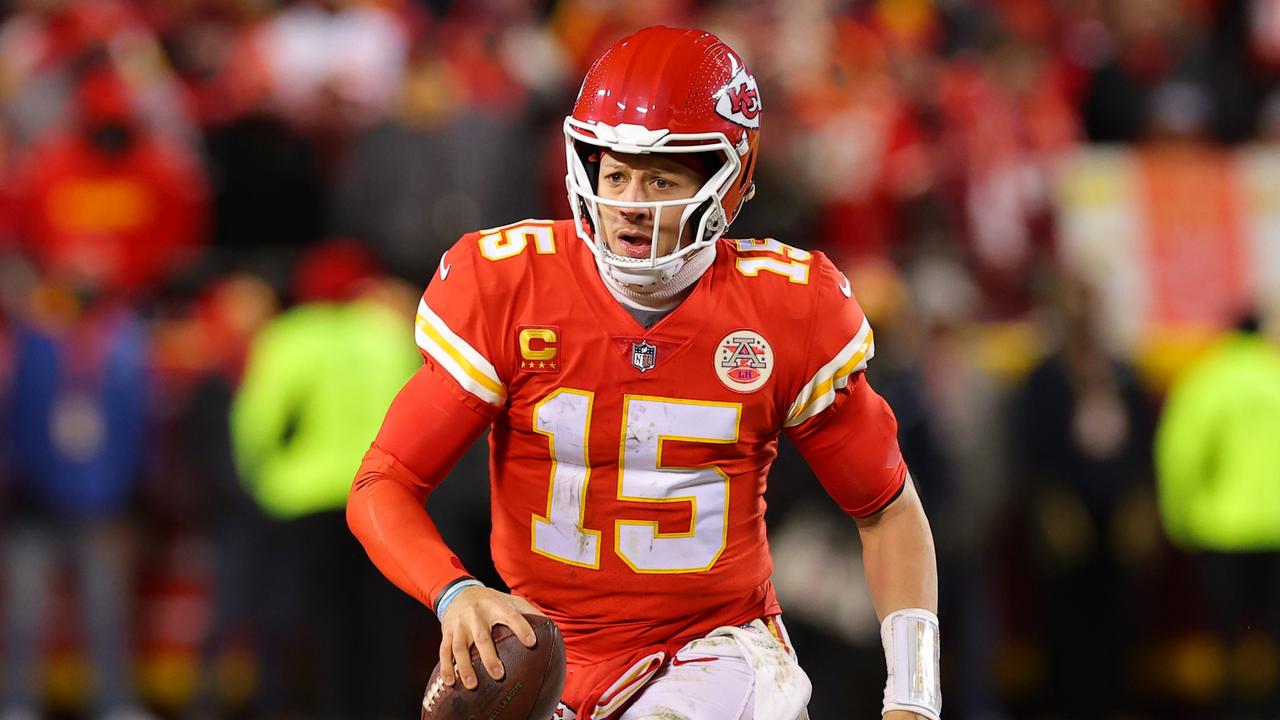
(637,369)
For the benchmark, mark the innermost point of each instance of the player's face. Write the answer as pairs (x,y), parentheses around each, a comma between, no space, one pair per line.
(643,178)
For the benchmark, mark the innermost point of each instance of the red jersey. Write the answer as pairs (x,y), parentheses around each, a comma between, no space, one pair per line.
(628,464)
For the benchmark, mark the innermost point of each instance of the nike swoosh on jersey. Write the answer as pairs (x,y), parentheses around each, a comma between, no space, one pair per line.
(677,662)
(444,269)
(844,286)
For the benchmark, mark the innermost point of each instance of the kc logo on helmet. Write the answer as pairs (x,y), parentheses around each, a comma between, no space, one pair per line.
(739,101)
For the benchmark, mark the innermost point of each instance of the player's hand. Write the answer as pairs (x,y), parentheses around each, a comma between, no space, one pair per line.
(902,715)
(469,620)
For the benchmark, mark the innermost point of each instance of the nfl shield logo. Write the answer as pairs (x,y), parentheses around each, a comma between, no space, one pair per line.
(644,355)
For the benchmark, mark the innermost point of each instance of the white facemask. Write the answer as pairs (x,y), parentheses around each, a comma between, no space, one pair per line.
(657,278)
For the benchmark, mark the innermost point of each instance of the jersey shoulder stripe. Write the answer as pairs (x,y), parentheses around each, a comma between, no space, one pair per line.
(467,366)
(818,394)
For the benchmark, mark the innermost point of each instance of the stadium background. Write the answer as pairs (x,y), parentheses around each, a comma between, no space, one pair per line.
(1014,187)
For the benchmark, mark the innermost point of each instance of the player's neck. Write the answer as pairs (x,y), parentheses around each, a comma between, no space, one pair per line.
(663,297)
(634,301)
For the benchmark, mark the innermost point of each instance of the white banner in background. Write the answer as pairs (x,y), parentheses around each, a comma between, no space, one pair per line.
(1173,237)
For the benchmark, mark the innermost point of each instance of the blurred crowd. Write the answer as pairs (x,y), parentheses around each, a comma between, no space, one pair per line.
(216,216)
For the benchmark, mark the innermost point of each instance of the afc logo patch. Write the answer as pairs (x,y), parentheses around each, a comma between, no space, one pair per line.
(539,348)
(744,361)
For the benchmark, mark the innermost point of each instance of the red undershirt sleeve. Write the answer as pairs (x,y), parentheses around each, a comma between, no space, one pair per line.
(427,428)
(853,449)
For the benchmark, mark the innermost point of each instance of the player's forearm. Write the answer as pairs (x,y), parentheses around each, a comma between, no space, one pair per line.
(897,549)
(386,514)
(898,553)
(426,429)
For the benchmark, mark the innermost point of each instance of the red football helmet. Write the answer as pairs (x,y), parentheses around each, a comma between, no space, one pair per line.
(665,90)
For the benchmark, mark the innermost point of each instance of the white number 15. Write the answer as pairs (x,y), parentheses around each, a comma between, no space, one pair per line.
(564,417)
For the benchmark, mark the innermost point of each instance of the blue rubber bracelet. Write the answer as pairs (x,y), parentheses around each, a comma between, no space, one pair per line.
(452,593)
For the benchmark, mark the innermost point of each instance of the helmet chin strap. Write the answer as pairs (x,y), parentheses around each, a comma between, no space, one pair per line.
(656,288)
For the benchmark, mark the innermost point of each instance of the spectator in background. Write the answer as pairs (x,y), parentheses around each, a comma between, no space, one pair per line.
(268,195)
(193,490)
(110,200)
(1149,42)
(327,57)
(858,146)
(1218,458)
(317,382)
(210,45)
(75,423)
(333,66)
(462,146)
(44,46)
(1084,432)
(264,165)
(966,406)
(1145,46)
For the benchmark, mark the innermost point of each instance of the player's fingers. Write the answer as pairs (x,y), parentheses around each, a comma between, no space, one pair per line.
(520,626)
(446,658)
(462,658)
(522,605)
(489,653)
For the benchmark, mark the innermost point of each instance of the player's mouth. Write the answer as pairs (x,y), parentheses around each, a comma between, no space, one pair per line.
(633,243)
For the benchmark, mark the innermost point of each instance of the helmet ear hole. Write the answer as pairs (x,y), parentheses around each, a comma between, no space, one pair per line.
(715,218)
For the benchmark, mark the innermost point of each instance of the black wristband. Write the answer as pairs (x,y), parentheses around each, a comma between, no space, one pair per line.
(435,602)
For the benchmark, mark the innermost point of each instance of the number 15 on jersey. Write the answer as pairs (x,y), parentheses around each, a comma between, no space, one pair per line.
(564,417)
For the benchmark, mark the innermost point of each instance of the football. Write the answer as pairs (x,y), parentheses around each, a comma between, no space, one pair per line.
(530,689)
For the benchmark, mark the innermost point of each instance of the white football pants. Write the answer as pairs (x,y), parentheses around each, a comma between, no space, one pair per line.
(717,678)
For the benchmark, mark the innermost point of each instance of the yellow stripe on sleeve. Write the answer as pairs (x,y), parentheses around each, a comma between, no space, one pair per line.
(471,369)
(820,392)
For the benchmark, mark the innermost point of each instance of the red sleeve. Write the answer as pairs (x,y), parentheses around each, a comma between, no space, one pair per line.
(457,318)
(426,430)
(853,449)
(839,344)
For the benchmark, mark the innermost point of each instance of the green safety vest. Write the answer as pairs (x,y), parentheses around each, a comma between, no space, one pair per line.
(1218,450)
(317,384)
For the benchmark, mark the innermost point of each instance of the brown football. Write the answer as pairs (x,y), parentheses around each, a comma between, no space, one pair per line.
(530,689)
